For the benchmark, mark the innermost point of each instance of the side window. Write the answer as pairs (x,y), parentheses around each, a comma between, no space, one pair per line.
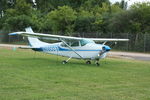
(63,44)
(74,44)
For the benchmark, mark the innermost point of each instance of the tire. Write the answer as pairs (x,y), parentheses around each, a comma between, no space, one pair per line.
(97,64)
(64,62)
(88,62)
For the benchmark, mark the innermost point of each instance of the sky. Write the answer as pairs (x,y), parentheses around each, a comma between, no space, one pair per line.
(130,2)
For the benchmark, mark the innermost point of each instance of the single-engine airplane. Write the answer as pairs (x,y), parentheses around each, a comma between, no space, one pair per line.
(72,47)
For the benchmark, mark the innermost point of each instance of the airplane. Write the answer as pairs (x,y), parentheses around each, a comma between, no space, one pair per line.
(71,47)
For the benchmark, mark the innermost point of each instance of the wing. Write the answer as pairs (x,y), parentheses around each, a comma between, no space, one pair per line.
(108,39)
(58,37)
(46,36)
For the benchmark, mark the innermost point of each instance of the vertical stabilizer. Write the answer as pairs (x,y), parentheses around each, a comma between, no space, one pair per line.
(33,41)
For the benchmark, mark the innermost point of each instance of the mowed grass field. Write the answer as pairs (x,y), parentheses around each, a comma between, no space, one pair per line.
(25,75)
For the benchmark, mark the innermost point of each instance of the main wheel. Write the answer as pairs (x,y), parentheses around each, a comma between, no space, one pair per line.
(97,64)
(64,62)
(88,62)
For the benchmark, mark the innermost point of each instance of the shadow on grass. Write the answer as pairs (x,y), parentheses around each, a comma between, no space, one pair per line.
(58,62)
(46,60)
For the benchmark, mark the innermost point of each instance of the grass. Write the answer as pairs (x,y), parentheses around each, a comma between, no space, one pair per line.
(25,75)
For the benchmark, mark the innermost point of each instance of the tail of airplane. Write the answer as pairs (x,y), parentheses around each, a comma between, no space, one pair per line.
(33,41)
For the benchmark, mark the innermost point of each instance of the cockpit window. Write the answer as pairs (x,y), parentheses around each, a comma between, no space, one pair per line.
(76,43)
(86,41)
(71,43)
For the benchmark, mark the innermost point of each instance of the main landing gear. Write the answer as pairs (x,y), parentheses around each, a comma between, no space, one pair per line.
(87,62)
(65,61)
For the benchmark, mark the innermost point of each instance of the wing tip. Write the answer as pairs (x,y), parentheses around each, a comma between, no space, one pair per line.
(12,34)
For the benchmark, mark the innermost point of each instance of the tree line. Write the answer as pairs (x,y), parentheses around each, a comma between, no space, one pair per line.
(75,17)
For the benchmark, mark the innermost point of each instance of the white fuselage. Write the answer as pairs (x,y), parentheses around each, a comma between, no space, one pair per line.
(89,51)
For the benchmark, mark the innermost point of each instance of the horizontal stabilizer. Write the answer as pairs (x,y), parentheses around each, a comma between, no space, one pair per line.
(27,47)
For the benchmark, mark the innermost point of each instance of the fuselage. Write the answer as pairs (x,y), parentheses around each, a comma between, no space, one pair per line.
(85,49)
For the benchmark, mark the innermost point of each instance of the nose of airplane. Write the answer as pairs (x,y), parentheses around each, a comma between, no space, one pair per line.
(106,48)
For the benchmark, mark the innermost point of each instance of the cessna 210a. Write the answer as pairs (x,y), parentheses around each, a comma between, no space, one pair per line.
(72,47)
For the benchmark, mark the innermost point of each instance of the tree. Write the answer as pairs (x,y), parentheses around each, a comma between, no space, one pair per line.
(134,20)
(19,17)
(123,4)
(62,20)
(90,4)
(84,21)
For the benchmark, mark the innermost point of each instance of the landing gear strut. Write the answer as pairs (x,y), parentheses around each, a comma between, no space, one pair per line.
(65,61)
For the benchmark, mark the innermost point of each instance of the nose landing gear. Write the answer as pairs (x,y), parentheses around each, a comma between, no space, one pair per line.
(97,62)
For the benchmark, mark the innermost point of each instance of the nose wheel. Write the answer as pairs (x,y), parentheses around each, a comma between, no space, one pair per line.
(97,63)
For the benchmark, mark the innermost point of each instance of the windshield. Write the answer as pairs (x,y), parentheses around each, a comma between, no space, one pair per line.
(86,41)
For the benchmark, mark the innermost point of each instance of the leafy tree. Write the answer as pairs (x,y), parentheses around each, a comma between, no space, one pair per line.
(136,19)
(19,17)
(46,6)
(123,4)
(84,21)
(115,9)
(62,19)
(90,4)
(102,14)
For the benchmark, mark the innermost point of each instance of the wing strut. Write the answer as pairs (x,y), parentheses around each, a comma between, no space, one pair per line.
(71,48)
(104,42)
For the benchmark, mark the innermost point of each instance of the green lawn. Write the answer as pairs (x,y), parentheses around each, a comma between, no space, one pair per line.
(25,75)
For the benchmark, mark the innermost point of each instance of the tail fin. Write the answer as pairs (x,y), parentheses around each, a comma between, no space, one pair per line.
(33,41)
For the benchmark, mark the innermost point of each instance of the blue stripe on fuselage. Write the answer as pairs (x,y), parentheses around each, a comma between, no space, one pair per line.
(64,49)
(50,48)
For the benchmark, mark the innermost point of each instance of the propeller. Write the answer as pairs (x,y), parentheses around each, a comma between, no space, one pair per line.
(105,49)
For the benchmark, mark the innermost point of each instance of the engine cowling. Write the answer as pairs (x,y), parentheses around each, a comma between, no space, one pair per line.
(105,49)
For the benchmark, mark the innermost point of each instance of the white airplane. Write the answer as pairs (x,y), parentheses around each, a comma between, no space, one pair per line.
(72,47)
